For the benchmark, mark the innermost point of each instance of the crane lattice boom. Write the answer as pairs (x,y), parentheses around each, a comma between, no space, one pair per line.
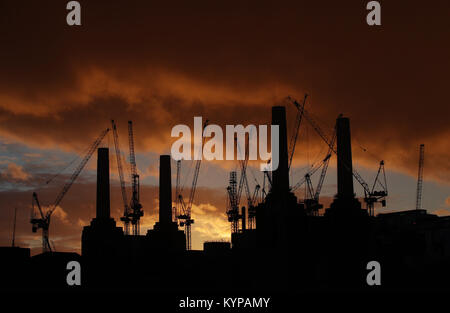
(420,178)
(298,121)
(44,221)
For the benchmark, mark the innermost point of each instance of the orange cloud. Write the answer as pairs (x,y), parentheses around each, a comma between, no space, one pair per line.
(15,172)
(60,214)
(442,212)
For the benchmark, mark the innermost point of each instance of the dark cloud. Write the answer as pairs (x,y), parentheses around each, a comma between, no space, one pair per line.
(159,63)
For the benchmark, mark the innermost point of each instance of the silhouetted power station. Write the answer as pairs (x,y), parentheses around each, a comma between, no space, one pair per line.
(278,242)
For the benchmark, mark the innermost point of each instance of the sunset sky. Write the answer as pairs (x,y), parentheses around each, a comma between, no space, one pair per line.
(160,63)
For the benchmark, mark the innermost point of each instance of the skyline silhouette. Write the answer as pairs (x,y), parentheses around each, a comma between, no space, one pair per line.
(160,65)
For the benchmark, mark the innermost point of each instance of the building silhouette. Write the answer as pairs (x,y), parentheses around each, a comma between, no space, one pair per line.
(288,249)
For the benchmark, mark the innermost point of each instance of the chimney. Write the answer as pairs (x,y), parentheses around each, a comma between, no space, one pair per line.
(344,159)
(165,190)
(103,204)
(281,175)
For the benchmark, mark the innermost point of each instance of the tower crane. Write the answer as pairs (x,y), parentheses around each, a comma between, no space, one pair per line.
(186,208)
(420,178)
(326,162)
(243,184)
(243,181)
(126,212)
(233,204)
(43,220)
(311,201)
(252,208)
(136,211)
(298,120)
(370,195)
(176,208)
(311,172)
(377,196)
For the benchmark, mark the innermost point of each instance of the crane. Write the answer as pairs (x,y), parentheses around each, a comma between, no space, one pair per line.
(312,196)
(186,208)
(43,221)
(268,175)
(126,212)
(233,204)
(252,208)
(176,208)
(311,172)
(298,120)
(136,211)
(370,195)
(311,206)
(377,196)
(243,181)
(264,191)
(251,198)
(420,178)
(326,162)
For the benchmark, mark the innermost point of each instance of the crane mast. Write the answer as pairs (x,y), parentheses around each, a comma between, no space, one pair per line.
(125,218)
(269,177)
(176,208)
(234,215)
(43,221)
(252,208)
(243,181)
(185,217)
(135,205)
(420,178)
(233,205)
(377,196)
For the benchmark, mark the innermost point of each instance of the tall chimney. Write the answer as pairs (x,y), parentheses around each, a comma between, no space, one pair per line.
(103,204)
(344,159)
(281,175)
(165,190)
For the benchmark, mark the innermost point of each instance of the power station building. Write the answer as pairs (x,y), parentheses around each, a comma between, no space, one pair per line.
(286,249)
